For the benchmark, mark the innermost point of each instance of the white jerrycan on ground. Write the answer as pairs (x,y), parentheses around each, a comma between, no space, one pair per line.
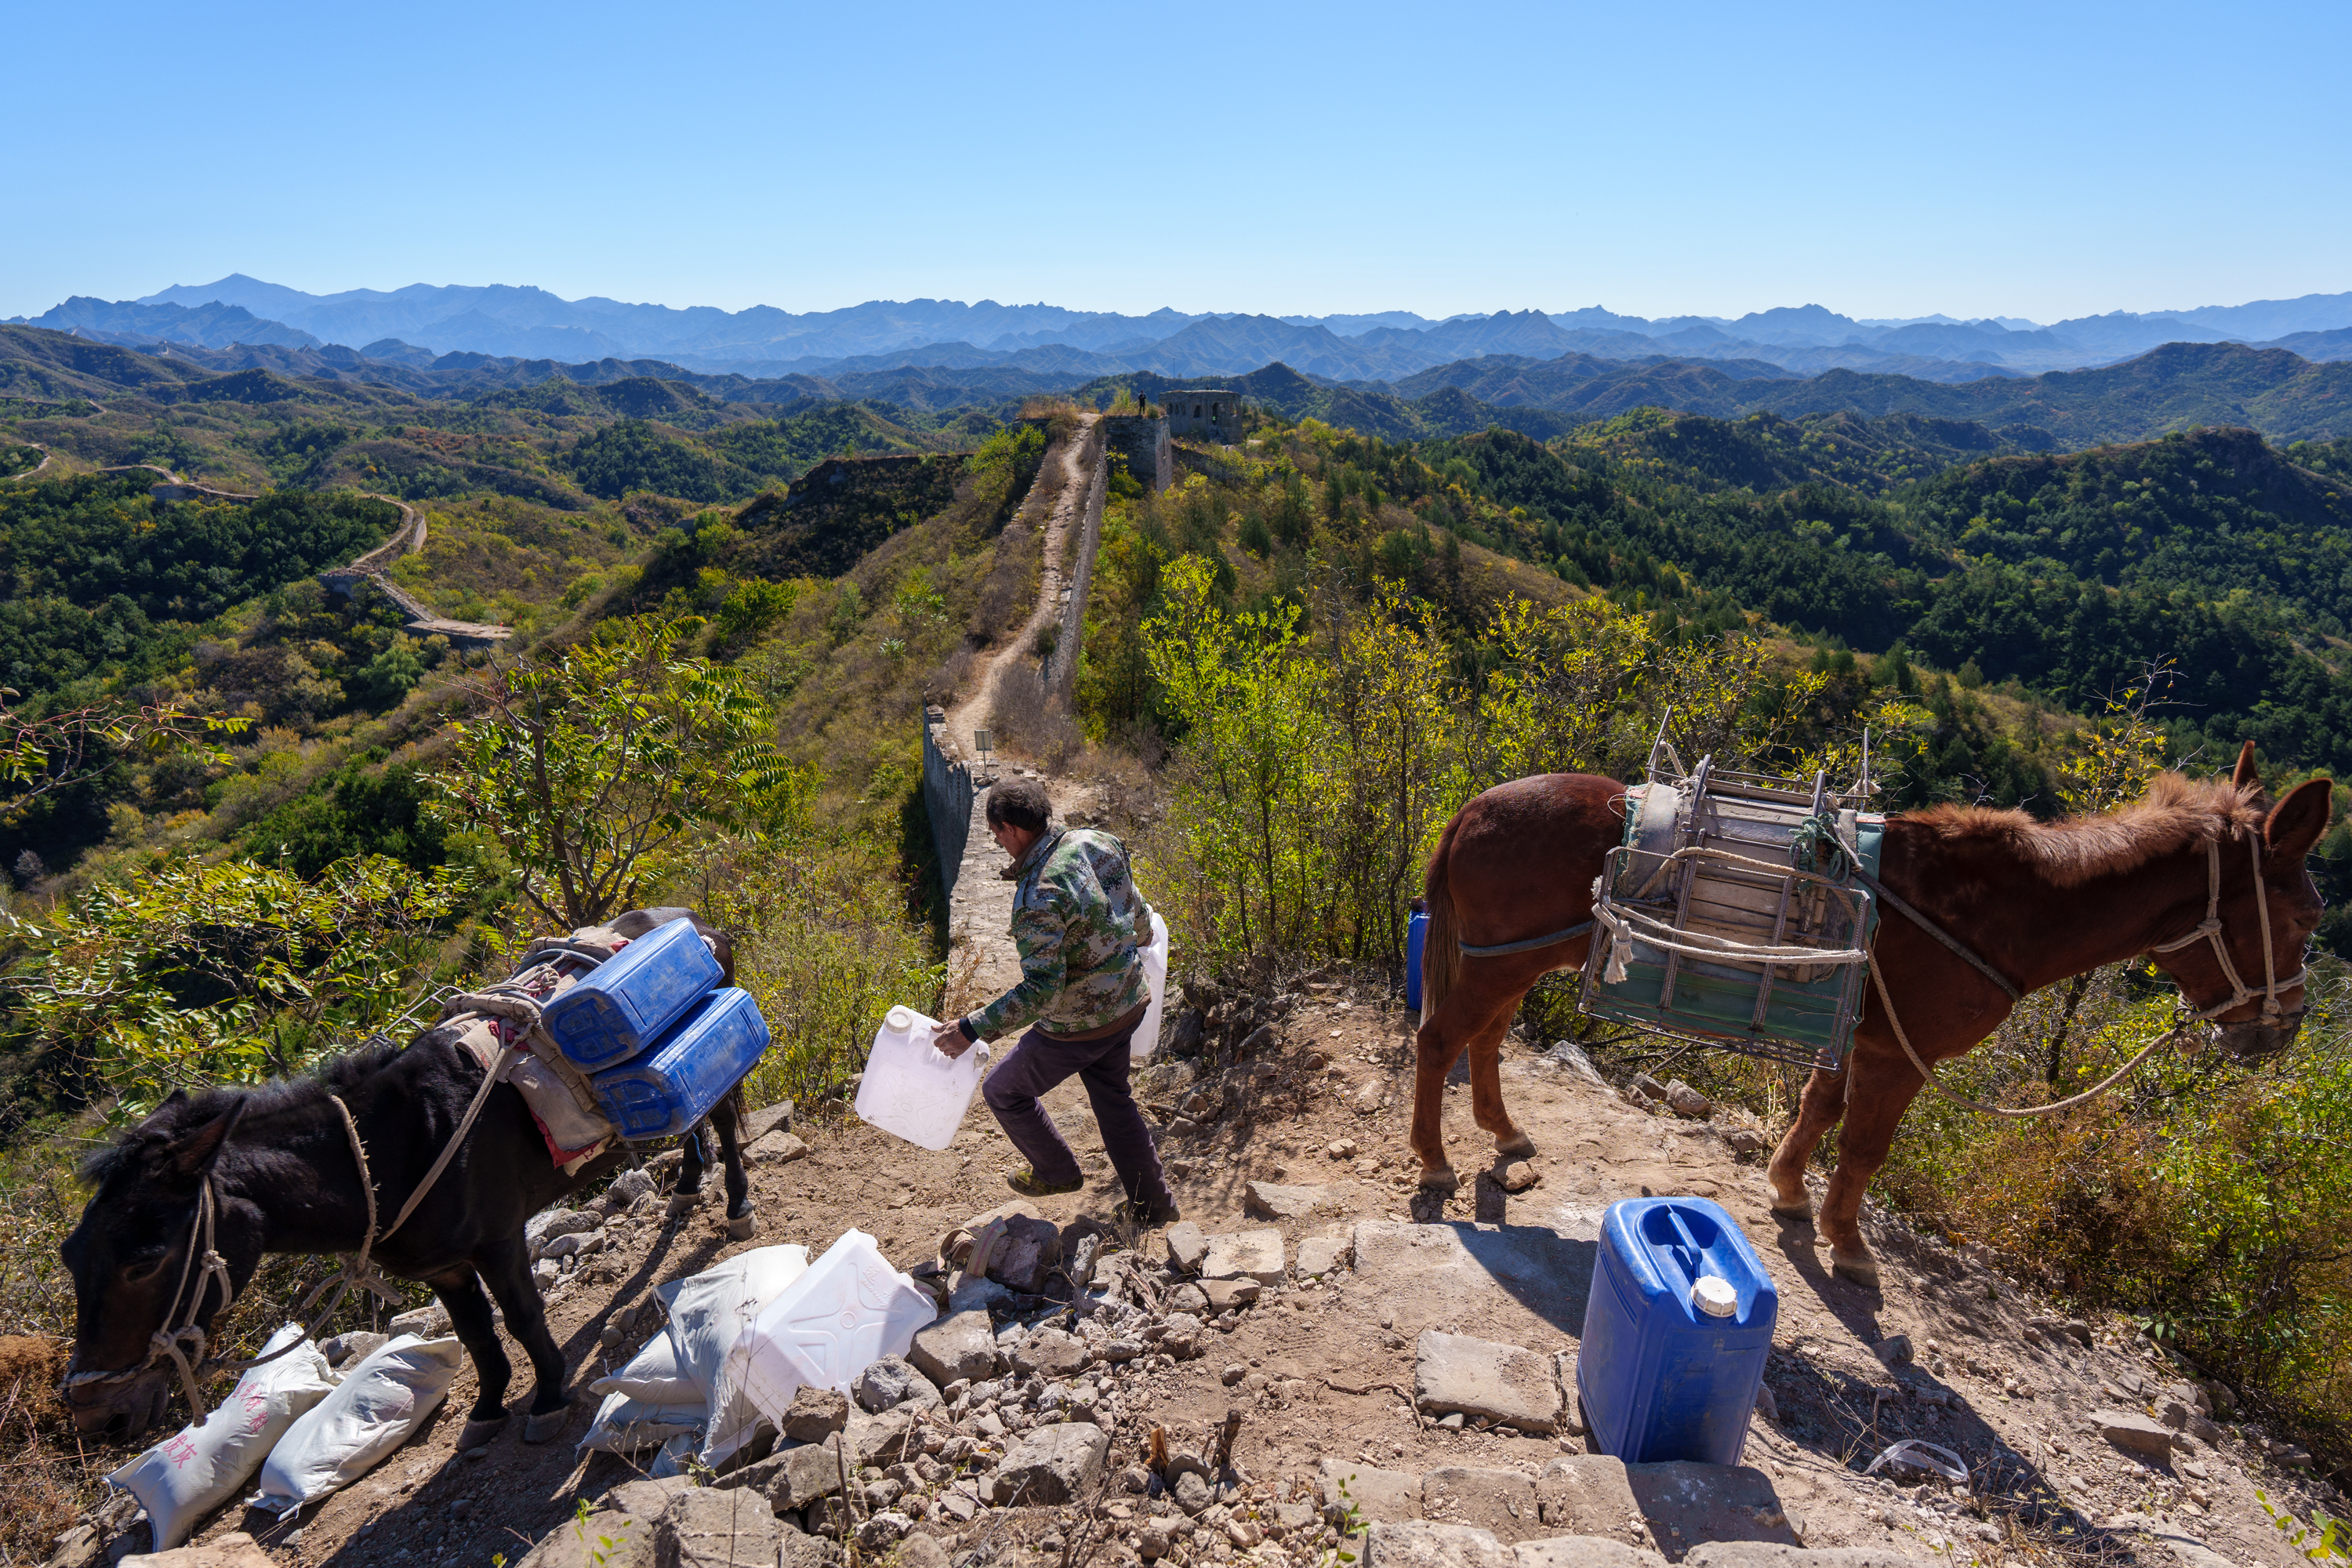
(849,1310)
(910,1088)
(1139,1046)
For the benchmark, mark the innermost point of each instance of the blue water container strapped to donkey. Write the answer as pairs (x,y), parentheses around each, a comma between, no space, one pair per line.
(1677,1331)
(673,1086)
(622,1007)
(1731,914)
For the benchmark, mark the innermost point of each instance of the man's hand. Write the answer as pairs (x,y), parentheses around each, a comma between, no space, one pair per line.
(948,1038)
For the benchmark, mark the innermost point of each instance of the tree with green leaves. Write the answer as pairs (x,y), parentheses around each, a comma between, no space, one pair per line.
(599,766)
(235,971)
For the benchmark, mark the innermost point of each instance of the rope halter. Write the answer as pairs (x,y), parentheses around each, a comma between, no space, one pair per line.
(2210,929)
(184,1344)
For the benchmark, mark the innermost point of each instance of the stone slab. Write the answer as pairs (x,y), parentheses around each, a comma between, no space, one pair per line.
(1271,1200)
(1417,1543)
(235,1550)
(1527,1281)
(1686,1504)
(1244,1255)
(1586,1494)
(1506,1383)
(1319,1255)
(1778,1554)
(1582,1552)
(706,1528)
(1501,1501)
(1382,1497)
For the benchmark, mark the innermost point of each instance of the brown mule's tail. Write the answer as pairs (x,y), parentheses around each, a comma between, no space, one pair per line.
(1441,940)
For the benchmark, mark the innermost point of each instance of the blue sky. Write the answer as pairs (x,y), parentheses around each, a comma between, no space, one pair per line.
(2042,161)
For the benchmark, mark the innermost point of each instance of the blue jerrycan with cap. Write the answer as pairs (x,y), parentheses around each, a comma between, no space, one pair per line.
(673,1086)
(1676,1331)
(621,1007)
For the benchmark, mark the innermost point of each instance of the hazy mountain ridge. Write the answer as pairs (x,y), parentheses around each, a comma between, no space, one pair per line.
(764,342)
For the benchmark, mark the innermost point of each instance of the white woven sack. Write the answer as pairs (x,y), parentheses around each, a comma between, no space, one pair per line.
(625,1426)
(186,1477)
(652,1374)
(374,1409)
(708,1312)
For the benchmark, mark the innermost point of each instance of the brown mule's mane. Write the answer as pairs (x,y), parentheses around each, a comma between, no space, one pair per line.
(2174,814)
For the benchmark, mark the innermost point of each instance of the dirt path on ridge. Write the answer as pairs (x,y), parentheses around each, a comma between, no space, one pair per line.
(1069,508)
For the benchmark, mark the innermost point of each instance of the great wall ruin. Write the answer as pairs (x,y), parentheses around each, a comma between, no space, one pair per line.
(981,958)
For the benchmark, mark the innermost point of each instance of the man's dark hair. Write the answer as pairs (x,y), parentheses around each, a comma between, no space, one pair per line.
(1024,803)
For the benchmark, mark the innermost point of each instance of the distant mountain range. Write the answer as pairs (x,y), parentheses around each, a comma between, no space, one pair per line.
(2175,387)
(424,323)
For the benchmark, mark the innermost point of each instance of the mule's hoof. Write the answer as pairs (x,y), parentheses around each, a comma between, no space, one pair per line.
(1800,1214)
(481,1430)
(743,1227)
(1441,1180)
(683,1204)
(546,1426)
(1519,1148)
(1856,1268)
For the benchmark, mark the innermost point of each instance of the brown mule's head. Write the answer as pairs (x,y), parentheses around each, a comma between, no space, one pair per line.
(2252,1030)
(131,1260)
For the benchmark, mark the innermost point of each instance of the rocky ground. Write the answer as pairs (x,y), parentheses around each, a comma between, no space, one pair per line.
(1206,1394)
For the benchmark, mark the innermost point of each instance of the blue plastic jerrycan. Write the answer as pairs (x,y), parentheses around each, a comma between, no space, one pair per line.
(1676,1331)
(1416,931)
(674,1085)
(617,1011)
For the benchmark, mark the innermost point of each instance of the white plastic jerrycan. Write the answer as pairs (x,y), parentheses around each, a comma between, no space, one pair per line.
(910,1088)
(1155,975)
(847,1312)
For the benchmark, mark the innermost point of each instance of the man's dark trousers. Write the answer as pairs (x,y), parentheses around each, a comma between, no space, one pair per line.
(1039,1062)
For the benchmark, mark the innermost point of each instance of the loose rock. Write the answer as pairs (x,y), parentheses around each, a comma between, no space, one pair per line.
(1052,1464)
(1688,1102)
(815,1414)
(963,1346)
(1186,1246)
(2136,1434)
(777,1148)
(892,1382)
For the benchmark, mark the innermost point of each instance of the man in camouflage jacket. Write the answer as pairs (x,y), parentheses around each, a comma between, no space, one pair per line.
(1081,927)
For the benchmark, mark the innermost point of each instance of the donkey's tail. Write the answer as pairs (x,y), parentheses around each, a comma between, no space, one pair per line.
(1441,941)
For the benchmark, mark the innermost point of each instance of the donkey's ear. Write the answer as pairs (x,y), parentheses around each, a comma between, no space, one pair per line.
(191,1153)
(159,1120)
(2245,772)
(2295,823)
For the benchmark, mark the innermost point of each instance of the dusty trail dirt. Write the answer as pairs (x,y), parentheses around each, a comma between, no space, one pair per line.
(1341,1072)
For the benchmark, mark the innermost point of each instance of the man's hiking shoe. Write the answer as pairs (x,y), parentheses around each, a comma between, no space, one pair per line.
(1148,1216)
(1024,1181)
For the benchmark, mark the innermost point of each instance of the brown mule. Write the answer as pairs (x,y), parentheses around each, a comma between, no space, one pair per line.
(2037,901)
